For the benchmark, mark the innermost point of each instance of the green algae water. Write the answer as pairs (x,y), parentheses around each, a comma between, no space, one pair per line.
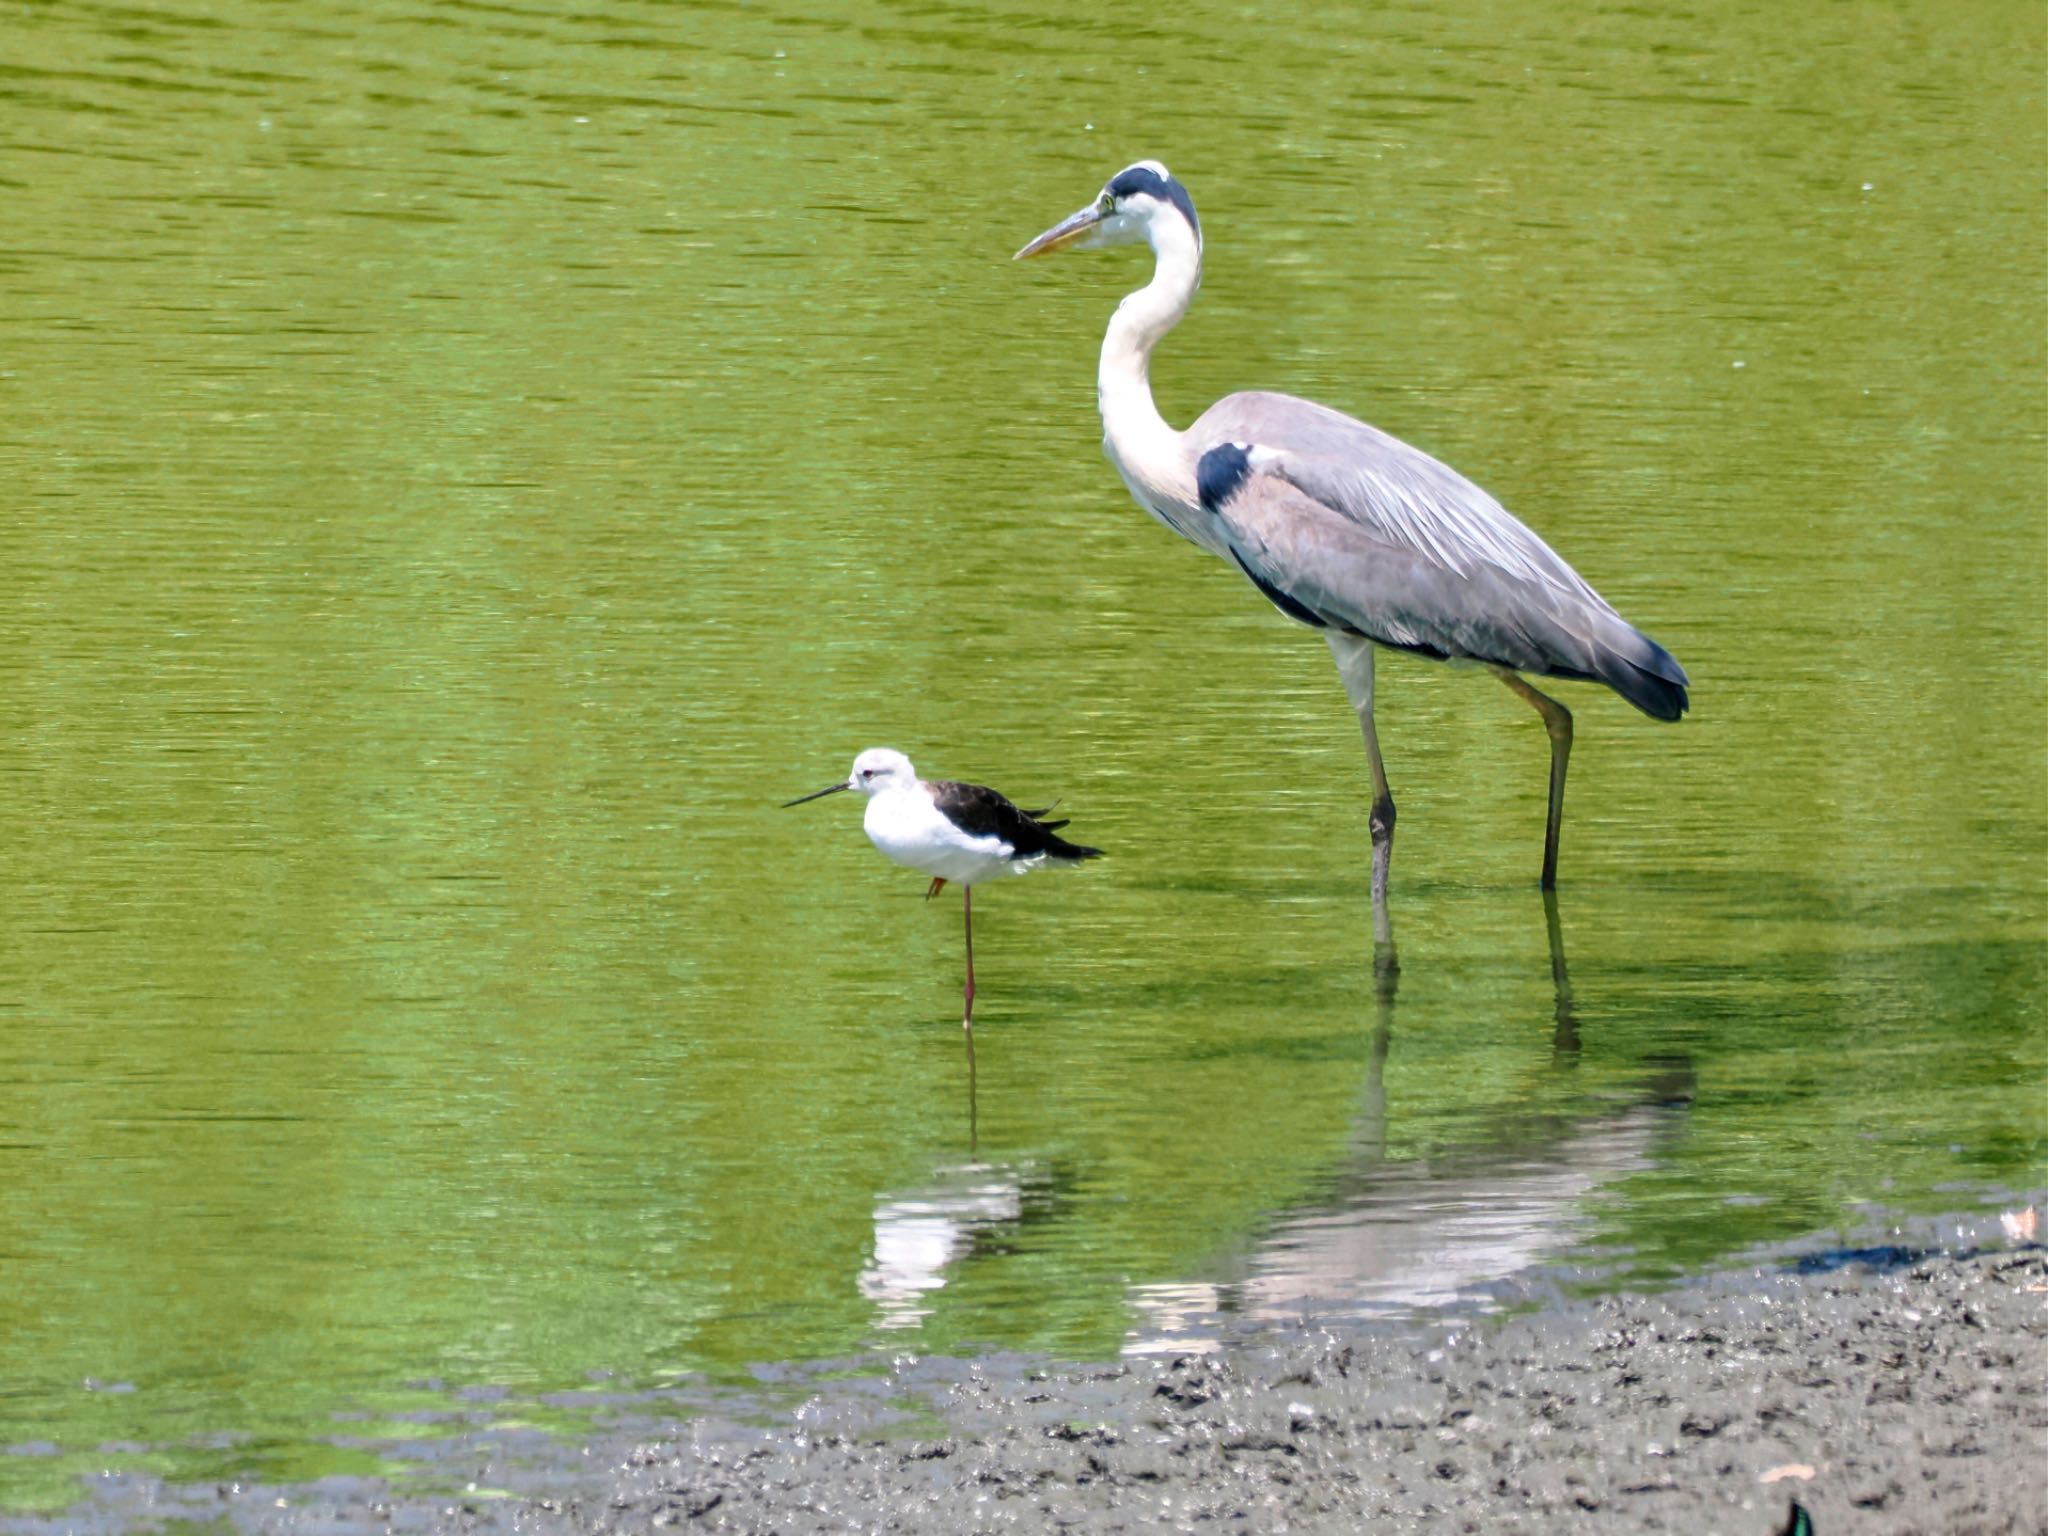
(461,467)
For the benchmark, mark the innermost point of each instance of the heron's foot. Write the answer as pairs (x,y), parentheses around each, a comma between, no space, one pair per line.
(1382,821)
(1382,854)
(938,884)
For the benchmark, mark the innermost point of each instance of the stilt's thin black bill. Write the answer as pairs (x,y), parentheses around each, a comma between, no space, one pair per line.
(829,789)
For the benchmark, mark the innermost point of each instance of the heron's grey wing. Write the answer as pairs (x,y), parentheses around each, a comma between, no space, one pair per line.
(1406,550)
(1394,491)
(1323,566)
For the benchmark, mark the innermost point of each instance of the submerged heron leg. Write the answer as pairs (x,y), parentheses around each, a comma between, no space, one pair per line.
(1354,665)
(1557,721)
(1564,1039)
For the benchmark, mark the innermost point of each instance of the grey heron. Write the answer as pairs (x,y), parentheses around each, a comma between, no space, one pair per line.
(965,833)
(1342,527)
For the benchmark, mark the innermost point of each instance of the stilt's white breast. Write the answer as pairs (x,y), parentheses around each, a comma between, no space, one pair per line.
(906,826)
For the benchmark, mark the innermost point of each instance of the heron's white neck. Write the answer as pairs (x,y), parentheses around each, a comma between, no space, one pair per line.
(1137,437)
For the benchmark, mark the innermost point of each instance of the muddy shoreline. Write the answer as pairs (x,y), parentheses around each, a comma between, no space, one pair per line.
(1905,1389)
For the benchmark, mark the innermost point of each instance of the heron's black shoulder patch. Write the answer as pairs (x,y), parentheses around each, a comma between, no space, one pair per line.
(1220,472)
(1142,178)
(1287,605)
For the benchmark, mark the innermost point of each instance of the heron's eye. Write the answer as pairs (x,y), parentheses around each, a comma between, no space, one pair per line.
(867,773)
(1106,202)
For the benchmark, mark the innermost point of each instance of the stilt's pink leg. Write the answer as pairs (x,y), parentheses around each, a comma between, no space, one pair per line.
(967,906)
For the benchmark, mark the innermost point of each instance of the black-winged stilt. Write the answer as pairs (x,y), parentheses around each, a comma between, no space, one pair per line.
(965,833)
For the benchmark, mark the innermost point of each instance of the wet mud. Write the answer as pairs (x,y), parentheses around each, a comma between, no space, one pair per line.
(1888,1389)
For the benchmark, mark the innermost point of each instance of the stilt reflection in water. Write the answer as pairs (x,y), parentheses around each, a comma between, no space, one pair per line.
(923,1234)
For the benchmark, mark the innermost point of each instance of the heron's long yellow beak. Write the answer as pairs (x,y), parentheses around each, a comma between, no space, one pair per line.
(1063,234)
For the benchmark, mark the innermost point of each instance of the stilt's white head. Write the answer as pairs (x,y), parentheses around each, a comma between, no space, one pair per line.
(878,769)
(874,770)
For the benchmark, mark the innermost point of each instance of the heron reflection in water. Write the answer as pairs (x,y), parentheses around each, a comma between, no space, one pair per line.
(1493,1194)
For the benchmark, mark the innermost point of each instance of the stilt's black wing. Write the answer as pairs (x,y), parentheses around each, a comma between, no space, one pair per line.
(981,812)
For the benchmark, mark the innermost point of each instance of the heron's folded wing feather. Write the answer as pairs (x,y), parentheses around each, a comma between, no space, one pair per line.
(1392,490)
(1379,537)
(1350,577)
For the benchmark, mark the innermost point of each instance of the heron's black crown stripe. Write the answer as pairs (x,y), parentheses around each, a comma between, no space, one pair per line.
(1219,473)
(1142,178)
(1279,599)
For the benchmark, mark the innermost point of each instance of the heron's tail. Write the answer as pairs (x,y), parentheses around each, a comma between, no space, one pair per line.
(1641,671)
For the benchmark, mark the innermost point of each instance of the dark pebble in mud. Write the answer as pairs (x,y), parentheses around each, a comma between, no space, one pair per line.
(1914,1390)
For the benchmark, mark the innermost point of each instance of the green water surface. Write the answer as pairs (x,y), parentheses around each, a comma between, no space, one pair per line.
(463,465)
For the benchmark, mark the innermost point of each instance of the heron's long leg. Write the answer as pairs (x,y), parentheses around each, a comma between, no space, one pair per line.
(1557,721)
(967,906)
(1382,808)
(1354,665)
